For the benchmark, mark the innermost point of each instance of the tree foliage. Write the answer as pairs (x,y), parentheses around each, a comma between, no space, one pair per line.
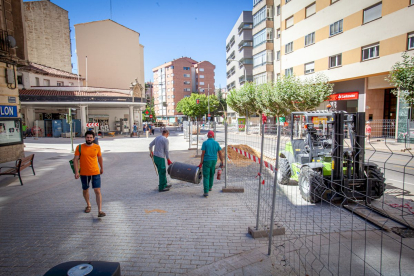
(188,106)
(282,97)
(402,77)
(151,111)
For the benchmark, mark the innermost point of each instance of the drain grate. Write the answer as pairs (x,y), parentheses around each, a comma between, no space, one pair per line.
(403,232)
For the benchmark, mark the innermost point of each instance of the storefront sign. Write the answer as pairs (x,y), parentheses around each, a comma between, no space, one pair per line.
(12,99)
(344,96)
(8,111)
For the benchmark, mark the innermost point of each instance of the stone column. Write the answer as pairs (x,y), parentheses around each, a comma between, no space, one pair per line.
(30,117)
(131,119)
(83,119)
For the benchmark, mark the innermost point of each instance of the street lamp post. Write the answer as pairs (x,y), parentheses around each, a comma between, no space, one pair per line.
(245,80)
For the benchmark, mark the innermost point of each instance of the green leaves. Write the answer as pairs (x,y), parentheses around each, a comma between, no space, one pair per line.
(188,106)
(282,97)
(402,77)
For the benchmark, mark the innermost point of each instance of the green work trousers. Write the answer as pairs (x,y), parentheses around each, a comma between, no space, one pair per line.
(162,173)
(209,168)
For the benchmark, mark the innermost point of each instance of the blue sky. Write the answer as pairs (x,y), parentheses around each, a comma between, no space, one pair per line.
(169,28)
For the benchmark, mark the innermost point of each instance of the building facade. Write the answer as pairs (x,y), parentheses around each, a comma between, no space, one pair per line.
(48,34)
(177,79)
(109,55)
(13,53)
(354,43)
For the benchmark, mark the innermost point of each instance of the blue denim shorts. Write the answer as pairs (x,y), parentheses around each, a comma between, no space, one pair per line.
(96,181)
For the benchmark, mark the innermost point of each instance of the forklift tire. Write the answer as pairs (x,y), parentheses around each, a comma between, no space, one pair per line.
(378,181)
(311,185)
(283,173)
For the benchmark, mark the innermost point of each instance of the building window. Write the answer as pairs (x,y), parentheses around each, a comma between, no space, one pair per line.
(278,33)
(278,76)
(278,10)
(172,96)
(289,22)
(336,27)
(19,79)
(255,2)
(201,69)
(187,90)
(412,2)
(46,82)
(37,81)
(310,10)
(201,76)
(259,16)
(410,39)
(335,61)
(278,55)
(372,13)
(259,59)
(60,83)
(172,82)
(289,48)
(186,75)
(186,68)
(289,72)
(172,67)
(168,97)
(202,83)
(310,39)
(186,82)
(263,36)
(370,52)
(309,67)
(260,78)
(71,84)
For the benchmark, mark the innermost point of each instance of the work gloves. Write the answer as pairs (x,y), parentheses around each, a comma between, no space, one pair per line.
(169,162)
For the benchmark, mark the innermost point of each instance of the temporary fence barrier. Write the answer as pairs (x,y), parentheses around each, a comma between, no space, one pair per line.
(328,193)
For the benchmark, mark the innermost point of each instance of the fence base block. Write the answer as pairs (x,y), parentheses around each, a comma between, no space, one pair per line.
(278,229)
(233,190)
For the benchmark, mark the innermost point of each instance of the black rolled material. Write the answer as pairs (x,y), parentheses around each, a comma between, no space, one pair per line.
(185,172)
(99,268)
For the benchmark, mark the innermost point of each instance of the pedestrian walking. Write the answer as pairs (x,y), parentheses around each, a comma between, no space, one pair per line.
(152,129)
(209,151)
(149,129)
(135,129)
(90,155)
(161,152)
(368,130)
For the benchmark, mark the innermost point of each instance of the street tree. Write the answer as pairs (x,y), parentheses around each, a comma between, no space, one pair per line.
(402,77)
(150,110)
(189,106)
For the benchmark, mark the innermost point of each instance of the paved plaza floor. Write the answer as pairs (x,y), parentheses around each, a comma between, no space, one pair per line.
(42,223)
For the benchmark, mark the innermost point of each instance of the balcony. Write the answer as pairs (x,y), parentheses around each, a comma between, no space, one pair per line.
(242,80)
(245,43)
(245,26)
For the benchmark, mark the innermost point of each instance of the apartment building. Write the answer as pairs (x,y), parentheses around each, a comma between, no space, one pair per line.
(13,53)
(354,43)
(239,46)
(48,34)
(177,79)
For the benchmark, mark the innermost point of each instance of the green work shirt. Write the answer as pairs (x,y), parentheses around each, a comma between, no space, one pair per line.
(211,147)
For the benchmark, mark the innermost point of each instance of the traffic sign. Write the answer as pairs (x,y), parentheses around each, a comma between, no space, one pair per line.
(150,115)
(92,124)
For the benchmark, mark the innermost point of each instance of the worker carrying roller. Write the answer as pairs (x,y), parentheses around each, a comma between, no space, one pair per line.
(159,154)
(209,149)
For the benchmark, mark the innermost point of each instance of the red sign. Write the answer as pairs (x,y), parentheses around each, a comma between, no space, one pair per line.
(92,124)
(146,112)
(150,115)
(198,101)
(344,96)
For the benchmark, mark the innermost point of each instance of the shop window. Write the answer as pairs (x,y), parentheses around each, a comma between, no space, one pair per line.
(372,13)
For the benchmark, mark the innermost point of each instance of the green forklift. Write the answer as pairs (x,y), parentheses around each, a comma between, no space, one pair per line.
(326,156)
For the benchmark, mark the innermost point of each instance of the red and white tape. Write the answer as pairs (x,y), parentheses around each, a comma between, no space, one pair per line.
(92,124)
(253,158)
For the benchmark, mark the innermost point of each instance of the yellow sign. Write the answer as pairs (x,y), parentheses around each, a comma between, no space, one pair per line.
(319,120)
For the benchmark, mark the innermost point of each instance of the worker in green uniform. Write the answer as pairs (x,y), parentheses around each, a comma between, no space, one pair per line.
(161,153)
(209,150)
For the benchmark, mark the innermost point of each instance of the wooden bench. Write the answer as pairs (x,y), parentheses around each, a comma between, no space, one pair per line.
(21,164)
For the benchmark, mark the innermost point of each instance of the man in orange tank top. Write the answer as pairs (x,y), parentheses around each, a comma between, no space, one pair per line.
(90,155)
